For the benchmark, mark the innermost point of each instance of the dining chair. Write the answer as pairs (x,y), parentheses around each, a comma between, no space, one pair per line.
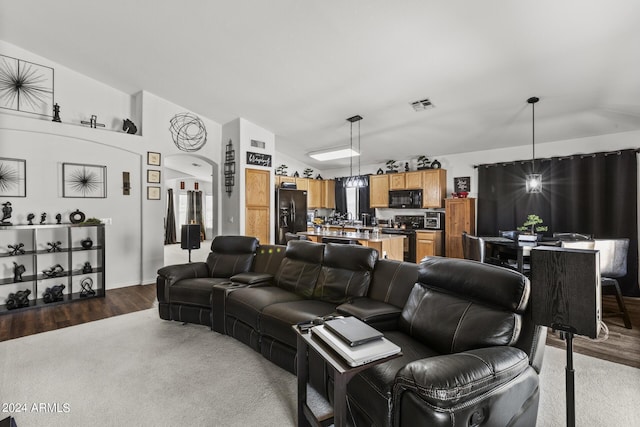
(613,265)
(473,247)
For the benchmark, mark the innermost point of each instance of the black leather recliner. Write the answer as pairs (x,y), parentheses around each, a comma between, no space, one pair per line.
(471,353)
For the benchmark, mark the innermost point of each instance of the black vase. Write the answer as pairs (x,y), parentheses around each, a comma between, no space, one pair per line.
(87,243)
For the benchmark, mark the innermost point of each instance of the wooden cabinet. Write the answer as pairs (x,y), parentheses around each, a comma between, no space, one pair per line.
(397,181)
(379,191)
(314,194)
(329,194)
(257,203)
(434,187)
(460,215)
(428,243)
(302,183)
(413,180)
(280,179)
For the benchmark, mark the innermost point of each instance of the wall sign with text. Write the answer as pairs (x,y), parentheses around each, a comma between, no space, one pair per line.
(259,159)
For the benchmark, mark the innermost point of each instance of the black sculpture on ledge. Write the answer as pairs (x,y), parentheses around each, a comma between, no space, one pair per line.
(6,213)
(53,294)
(18,300)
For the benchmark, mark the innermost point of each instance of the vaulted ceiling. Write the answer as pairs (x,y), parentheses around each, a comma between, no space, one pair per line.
(300,68)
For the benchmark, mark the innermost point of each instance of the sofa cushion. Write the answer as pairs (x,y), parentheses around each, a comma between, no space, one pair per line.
(276,319)
(346,272)
(194,291)
(231,255)
(268,259)
(299,269)
(246,304)
(392,281)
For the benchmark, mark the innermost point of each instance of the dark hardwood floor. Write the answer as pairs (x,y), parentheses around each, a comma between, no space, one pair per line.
(622,345)
(117,301)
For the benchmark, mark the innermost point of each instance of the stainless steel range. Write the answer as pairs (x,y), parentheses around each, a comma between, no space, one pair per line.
(406,225)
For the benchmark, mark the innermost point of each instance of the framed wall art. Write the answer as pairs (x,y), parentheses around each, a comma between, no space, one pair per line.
(84,181)
(153,193)
(26,86)
(13,177)
(153,159)
(153,176)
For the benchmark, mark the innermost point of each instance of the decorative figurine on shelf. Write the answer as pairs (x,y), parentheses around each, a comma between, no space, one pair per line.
(18,271)
(308,172)
(16,249)
(56,113)
(380,172)
(53,294)
(54,246)
(392,166)
(87,287)
(93,122)
(54,271)
(58,219)
(43,218)
(18,300)
(296,174)
(129,127)
(435,165)
(86,243)
(76,217)
(319,176)
(86,268)
(30,217)
(6,213)
(423,163)
(406,166)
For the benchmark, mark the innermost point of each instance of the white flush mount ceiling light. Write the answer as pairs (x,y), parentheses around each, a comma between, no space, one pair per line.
(333,154)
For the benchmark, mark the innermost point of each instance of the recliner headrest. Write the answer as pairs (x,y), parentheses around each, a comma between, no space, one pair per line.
(305,250)
(350,257)
(234,244)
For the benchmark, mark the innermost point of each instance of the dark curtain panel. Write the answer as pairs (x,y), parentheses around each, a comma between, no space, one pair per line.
(593,194)
(200,215)
(341,196)
(170,222)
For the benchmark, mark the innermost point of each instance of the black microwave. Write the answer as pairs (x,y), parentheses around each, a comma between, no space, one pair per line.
(405,199)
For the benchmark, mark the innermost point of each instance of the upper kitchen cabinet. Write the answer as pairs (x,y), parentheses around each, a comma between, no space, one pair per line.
(329,194)
(314,194)
(379,191)
(434,187)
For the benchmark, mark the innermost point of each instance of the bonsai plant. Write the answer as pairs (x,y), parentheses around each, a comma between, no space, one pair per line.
(423,162)
(281,170)
(392,166)
(532,226)
(308,172)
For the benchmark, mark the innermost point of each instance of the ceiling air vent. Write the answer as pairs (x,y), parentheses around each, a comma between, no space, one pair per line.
(422,105)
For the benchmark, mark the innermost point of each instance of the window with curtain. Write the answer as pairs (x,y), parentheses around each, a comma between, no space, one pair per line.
(594,194)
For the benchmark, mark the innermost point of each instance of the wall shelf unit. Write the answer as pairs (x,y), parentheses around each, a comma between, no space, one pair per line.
(38,256)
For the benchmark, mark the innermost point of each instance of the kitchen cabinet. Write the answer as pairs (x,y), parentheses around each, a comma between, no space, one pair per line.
(397,181)
(67,255)
(460,216)
(379,191)
(280,179)
(434,187)
(428,243)
(257,203)
(329,194)
(302,184)
(413,180)
(314,194)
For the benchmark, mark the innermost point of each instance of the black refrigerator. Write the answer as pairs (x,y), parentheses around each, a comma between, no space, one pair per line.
(291,214)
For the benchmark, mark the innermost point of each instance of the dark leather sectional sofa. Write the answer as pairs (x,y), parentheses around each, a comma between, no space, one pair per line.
(471,353)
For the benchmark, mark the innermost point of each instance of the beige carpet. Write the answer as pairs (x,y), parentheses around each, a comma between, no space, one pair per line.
(138,370)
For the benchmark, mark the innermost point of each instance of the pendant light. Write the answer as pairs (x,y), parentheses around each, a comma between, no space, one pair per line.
(353,181)
(534,180)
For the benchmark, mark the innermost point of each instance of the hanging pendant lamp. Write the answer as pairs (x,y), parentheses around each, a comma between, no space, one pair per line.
(534,180)
(354,181)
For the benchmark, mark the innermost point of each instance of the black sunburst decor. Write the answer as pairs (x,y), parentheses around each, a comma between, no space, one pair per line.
(84,180)
(12,177)
(26,86)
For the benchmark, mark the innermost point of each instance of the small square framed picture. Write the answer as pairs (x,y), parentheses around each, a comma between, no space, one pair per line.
(153,193)
(153,176)
(153,158)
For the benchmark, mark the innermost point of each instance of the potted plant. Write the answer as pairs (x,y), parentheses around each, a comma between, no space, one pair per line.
(281,170)
(530,227)
(392,166)
(423,163)
(308,172)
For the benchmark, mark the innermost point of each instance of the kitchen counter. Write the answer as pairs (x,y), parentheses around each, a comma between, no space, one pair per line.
(389,245)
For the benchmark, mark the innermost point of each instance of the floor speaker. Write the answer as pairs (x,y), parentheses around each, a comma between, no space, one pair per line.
(190,238)
(565,289)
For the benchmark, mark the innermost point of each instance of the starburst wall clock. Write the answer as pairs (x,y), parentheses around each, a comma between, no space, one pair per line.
(26,86)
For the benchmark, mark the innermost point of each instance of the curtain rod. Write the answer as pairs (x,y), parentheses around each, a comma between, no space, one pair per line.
(582,156)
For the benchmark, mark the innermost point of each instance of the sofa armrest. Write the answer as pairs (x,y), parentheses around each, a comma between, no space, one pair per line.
(251,278)
(380,315)
(446,381)
(171,274)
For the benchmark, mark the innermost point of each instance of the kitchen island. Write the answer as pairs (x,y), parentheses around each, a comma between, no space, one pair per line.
(391,245)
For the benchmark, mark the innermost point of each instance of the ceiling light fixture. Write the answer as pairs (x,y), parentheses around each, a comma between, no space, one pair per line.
(333,154)
(423,104)
(534,180)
